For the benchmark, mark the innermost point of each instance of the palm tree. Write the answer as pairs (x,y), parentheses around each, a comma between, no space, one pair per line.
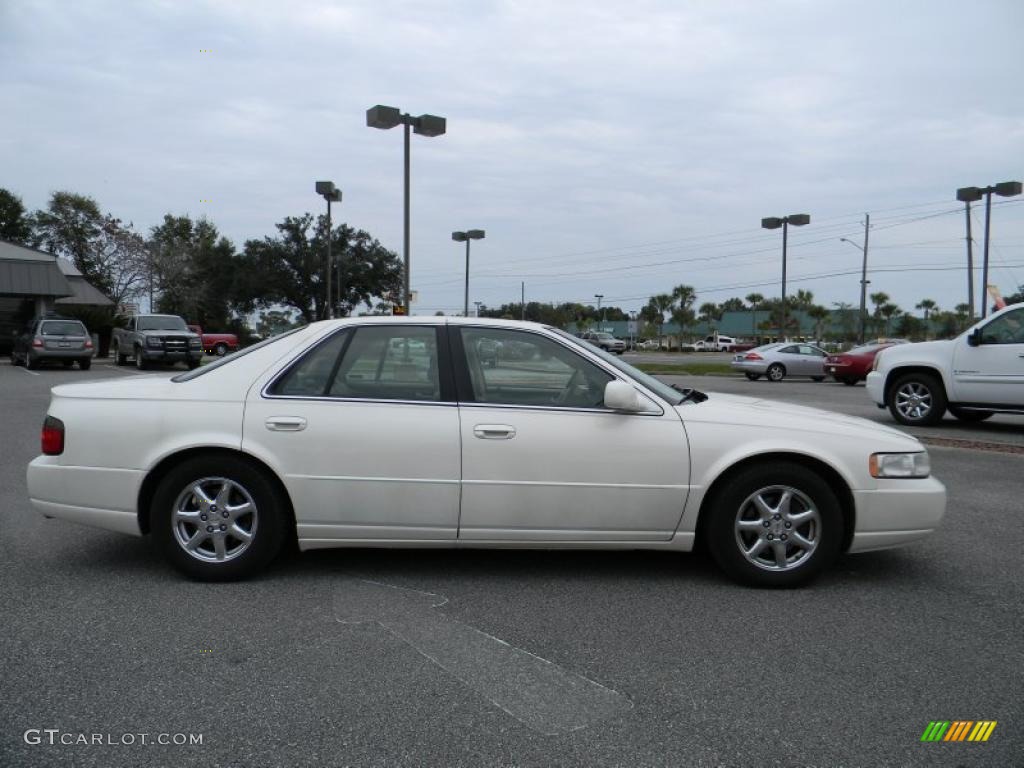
(962,315)
(818,314)
(878,299)
(662,303)
(929,306)
(803,300)
(888,310)
(710,313)
(754,300)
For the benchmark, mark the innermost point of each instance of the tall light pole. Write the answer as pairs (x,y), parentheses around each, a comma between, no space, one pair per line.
(972,194)
(459,237)
(599,296)
(774,222)
(425,125)
(331,194)
(863,277)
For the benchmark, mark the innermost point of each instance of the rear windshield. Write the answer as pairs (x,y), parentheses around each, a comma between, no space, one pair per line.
(63,328)
(161,323)
(204,369)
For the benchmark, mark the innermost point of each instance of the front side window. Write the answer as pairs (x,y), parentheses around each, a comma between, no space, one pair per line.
(520,368)
(1005,329)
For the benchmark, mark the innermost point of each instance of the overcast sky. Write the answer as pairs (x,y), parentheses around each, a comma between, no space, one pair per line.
(605,147)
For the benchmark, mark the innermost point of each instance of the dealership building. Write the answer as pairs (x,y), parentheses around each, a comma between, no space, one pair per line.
(35,283)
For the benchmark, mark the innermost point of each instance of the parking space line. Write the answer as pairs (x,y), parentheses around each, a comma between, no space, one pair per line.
(538,693)
(26,370)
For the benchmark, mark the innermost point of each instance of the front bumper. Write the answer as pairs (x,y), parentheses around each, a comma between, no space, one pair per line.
(897,512)
(163,355)
(876,388)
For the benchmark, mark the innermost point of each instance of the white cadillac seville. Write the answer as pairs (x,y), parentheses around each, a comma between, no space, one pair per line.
(456,432)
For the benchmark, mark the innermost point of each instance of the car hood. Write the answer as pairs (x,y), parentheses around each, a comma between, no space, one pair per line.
(760,413)
(918,349)
(171,334)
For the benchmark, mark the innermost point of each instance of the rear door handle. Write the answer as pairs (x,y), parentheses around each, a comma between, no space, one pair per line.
(494,431)
(286,423)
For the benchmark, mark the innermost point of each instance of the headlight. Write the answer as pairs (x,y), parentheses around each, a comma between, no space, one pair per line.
(874,363)
(154,341)
(195,343)
(899,464)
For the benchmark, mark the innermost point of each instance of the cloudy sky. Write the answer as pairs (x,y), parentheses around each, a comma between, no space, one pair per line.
(605,147)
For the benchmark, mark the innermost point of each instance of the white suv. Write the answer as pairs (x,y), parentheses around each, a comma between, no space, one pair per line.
(978,373)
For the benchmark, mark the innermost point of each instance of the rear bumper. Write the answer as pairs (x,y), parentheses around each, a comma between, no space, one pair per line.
(750,366)
(60,354)
(97,497)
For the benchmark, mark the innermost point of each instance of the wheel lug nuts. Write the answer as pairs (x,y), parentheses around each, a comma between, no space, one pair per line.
(202,517)
(778,517)
(766,524)
(223,527)
(209,529)
(783,537)
(789,525)
(223,514)
(770,537)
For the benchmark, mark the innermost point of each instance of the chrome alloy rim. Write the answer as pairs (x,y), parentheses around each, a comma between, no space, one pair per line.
(214,519)
(777,528)
(913,400)
(775,373)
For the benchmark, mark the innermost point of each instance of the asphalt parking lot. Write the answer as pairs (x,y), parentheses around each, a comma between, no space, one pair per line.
(338,658)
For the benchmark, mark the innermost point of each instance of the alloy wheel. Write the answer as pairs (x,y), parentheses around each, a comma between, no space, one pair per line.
(214,519)
(777,528)
(914,400)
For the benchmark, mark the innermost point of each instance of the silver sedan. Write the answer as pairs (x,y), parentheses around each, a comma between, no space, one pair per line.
(777,361)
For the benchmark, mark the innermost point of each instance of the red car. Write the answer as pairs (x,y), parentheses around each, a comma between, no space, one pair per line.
(854,365)
(218,344)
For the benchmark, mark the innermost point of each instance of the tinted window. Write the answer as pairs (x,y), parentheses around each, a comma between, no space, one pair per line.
(311,375)
(62,328)
(522,368)
(161,323)
(390,363)
(1005,329)
(789,351)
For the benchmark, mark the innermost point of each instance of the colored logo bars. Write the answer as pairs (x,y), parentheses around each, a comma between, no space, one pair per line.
(958,730)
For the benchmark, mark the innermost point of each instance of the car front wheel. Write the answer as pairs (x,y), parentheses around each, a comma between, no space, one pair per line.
(776,372)
(218,519)
(752,376)
(917,400)
(774,525)
(119,359)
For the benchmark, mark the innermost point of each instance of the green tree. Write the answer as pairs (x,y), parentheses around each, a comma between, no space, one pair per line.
(275,321)
(847,320)
(710,313)
(733,304)
(962,313)
(888,311)
(819,314)
(928,306)
(754,300)
(70,227)
(15,226)
(290,268)
(803,300)
(879,300)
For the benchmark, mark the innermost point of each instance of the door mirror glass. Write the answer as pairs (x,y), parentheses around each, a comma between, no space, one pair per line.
(974,337)
(620,396)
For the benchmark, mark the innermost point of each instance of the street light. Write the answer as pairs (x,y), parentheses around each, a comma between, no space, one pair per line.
(459,237)
(968,195)
(425,125)
(331,194)
(478,305)
(774,222)
(863,277)
(599,296)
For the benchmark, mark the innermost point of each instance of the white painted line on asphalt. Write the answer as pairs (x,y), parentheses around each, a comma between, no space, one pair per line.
(538,693)
(26,370)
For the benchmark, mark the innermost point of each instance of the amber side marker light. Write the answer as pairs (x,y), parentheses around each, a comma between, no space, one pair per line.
(53,436)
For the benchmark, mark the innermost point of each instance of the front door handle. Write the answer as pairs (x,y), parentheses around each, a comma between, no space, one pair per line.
(286,423)
(494,431)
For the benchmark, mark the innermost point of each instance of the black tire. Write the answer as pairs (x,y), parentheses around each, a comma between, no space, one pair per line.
(68,363)
(85,364)
(776,372)
(269,524)
(15,360)
(818,379)
(30,362)
(119,359)
(221,350)
(969,416)
(752,376)
(931,404)
(731,503)
(140,360)
(849,381)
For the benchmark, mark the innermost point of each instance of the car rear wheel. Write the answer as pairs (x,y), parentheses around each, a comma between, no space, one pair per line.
(31,362)
(817,378)
(221,350)
(752,376)
(774,525)
(776,372)
(970,416)
(85,364)
(917,400)
(119,359)
(216,518)
(849,381)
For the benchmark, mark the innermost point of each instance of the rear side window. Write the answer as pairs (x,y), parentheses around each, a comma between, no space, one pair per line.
(62,328)
(311,375)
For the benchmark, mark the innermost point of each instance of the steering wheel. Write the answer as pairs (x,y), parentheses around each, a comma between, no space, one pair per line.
(563,397)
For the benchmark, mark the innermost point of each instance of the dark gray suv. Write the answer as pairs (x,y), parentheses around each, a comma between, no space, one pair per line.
(59,340)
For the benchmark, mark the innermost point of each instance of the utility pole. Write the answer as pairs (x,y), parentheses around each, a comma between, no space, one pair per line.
(970,262)
(522,300)
(864,280)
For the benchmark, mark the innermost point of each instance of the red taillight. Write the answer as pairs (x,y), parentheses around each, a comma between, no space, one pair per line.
(53,436)
(88,343)
(37,343)
(753,356)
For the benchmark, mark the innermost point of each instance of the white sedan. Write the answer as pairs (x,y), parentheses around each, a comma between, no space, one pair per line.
(388,432)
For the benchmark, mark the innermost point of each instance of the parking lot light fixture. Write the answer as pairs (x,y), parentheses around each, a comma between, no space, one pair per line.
(459,237)
(774,222)
(968,195)
(385,118)
(331,194)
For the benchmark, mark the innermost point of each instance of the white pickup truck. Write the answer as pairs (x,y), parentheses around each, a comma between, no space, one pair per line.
(978,373)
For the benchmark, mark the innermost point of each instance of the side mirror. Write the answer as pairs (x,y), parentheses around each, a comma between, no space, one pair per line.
(974,338)
(620,396)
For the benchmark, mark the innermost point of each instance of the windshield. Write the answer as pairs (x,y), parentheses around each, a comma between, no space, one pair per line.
(204,369)
(161,323)
(660,388)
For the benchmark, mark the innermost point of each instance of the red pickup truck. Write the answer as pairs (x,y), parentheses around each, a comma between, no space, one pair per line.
(216,343)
